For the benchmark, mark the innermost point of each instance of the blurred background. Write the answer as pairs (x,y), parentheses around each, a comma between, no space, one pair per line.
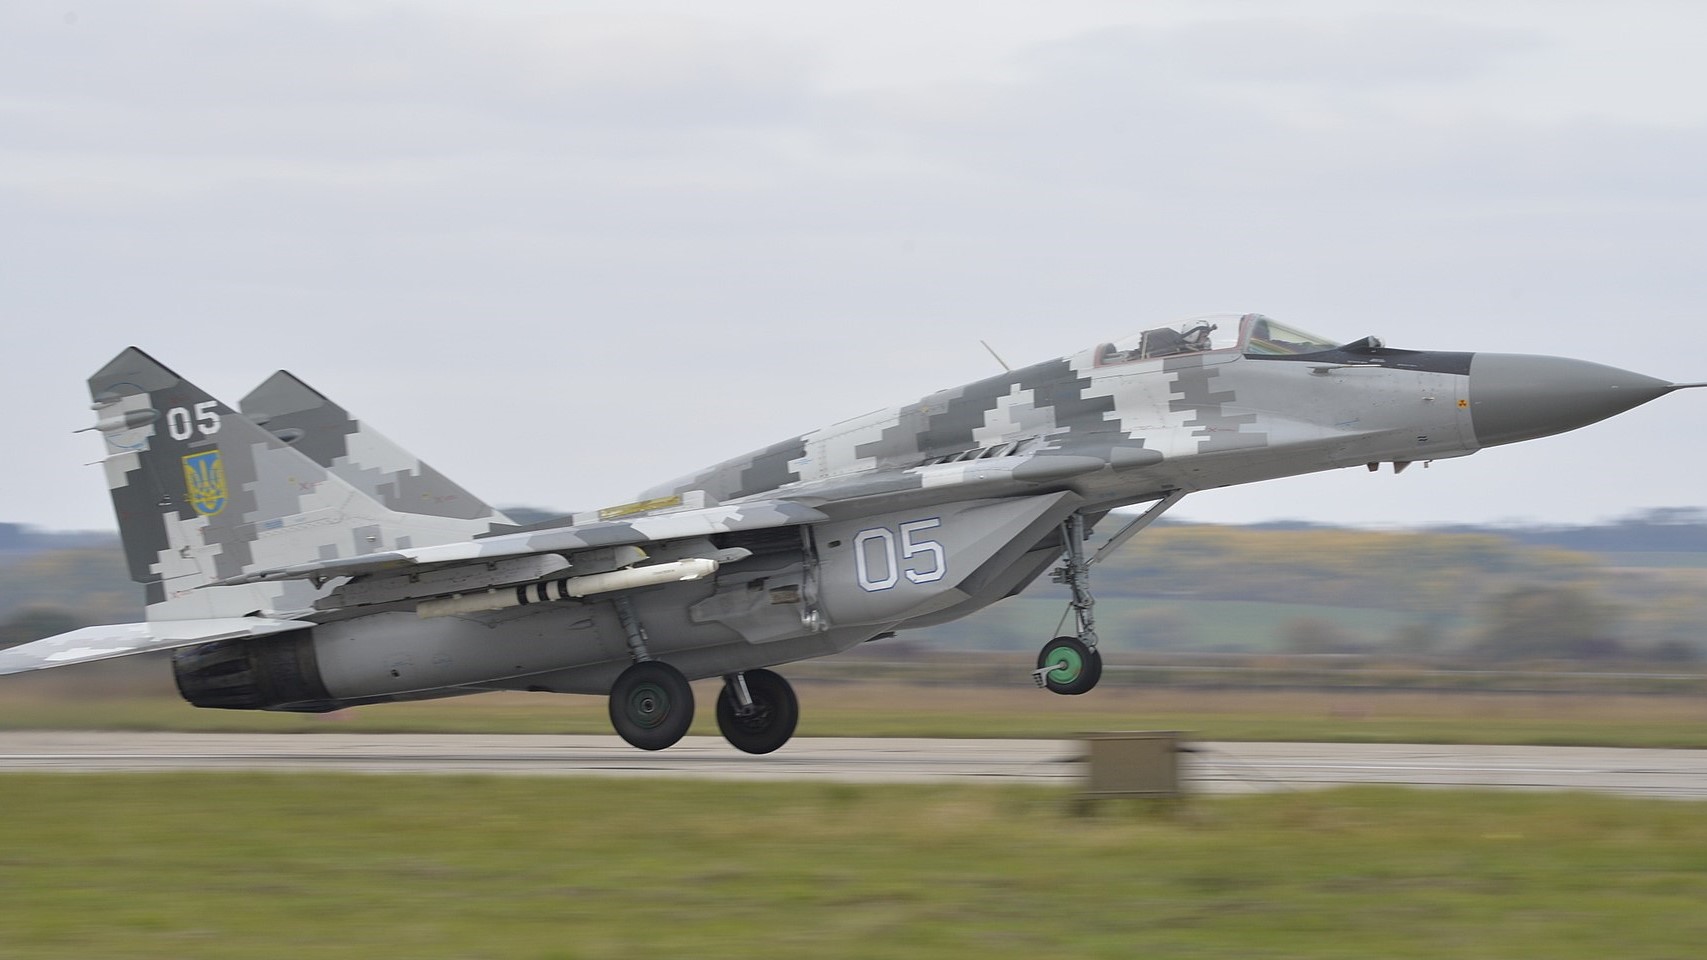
(566,252)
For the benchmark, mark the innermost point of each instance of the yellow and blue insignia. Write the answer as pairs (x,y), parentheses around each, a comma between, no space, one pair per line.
(204,479)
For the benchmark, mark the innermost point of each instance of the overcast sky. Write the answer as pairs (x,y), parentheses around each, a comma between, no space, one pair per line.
(565,251)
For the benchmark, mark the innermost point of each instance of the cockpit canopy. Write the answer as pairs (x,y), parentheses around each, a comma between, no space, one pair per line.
(1267,338)
(1253,334)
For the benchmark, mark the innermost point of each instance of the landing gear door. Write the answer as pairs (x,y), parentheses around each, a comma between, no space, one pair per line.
(891,567)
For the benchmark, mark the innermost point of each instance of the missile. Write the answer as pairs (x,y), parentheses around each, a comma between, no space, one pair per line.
(569,588)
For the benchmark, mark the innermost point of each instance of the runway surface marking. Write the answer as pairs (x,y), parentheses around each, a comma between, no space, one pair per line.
(1210,767)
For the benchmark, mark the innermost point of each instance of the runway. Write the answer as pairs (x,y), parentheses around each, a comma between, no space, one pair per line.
(1210,768)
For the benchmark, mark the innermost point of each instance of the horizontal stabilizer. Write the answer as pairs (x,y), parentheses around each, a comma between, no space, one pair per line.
(123,639)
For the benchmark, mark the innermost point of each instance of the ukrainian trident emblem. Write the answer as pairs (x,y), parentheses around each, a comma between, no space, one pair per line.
(204,479)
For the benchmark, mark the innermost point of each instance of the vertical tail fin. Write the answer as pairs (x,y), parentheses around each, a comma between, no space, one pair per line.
(204,495)
(366,459)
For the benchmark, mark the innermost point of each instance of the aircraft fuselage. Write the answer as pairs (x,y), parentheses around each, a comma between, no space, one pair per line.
(325,568)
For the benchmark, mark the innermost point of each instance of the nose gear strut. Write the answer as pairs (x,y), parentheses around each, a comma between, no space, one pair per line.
(1072,665)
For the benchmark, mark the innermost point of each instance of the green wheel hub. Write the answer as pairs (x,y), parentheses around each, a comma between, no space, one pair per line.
(1067,663)
(1069,666)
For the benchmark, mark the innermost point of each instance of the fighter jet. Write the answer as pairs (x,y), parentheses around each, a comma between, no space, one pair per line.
(294,559)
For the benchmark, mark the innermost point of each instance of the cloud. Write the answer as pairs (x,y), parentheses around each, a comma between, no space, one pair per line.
(242,126)
(160,53)
(1340,55)
(226,91)
(624,245)
(1299,121)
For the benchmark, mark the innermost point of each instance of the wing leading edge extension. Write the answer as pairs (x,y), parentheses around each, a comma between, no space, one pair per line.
(708,521)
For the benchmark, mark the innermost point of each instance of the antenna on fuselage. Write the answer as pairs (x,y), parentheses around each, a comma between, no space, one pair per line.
(998,356)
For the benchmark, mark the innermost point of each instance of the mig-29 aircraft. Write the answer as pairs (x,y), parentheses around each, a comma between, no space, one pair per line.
(294,559)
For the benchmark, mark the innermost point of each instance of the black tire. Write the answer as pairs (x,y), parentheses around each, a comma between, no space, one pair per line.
(651,705)
(776,711)
(1077,667)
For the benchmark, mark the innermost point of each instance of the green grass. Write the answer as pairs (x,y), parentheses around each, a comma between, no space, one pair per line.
(189,866)
(874,708)
(883,708)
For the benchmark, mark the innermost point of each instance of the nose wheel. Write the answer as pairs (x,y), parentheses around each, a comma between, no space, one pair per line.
(1071,665)
(757,711)
(651,705)
(1068,666)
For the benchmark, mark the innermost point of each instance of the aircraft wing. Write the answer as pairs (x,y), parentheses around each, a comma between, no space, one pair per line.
(124,639)
(728,518)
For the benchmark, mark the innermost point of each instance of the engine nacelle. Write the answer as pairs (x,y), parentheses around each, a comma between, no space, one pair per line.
(254,673)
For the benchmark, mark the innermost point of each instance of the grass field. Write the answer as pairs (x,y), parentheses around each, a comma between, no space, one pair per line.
(888,708)
(233,867)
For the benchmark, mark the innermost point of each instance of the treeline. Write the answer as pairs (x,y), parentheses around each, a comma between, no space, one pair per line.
(18,540)
(50,591)
(1472,597)
(1657,531)
(1426,573)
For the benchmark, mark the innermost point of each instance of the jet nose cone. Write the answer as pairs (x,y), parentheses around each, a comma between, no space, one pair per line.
(1520,397)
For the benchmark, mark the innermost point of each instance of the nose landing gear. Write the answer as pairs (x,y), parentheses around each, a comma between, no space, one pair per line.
(1071,665)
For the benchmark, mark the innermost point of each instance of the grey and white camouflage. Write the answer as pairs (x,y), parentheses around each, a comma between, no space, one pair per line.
(298,560)
(361,456)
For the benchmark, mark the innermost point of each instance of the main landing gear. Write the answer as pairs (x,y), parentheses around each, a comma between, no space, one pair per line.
(651,706)
(757,711)
(651,703)
(1071,665)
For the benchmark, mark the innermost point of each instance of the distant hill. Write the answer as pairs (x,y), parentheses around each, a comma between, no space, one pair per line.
(527,515)
(1661,530)
(18,540)
(1635,588)
(1667,530)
